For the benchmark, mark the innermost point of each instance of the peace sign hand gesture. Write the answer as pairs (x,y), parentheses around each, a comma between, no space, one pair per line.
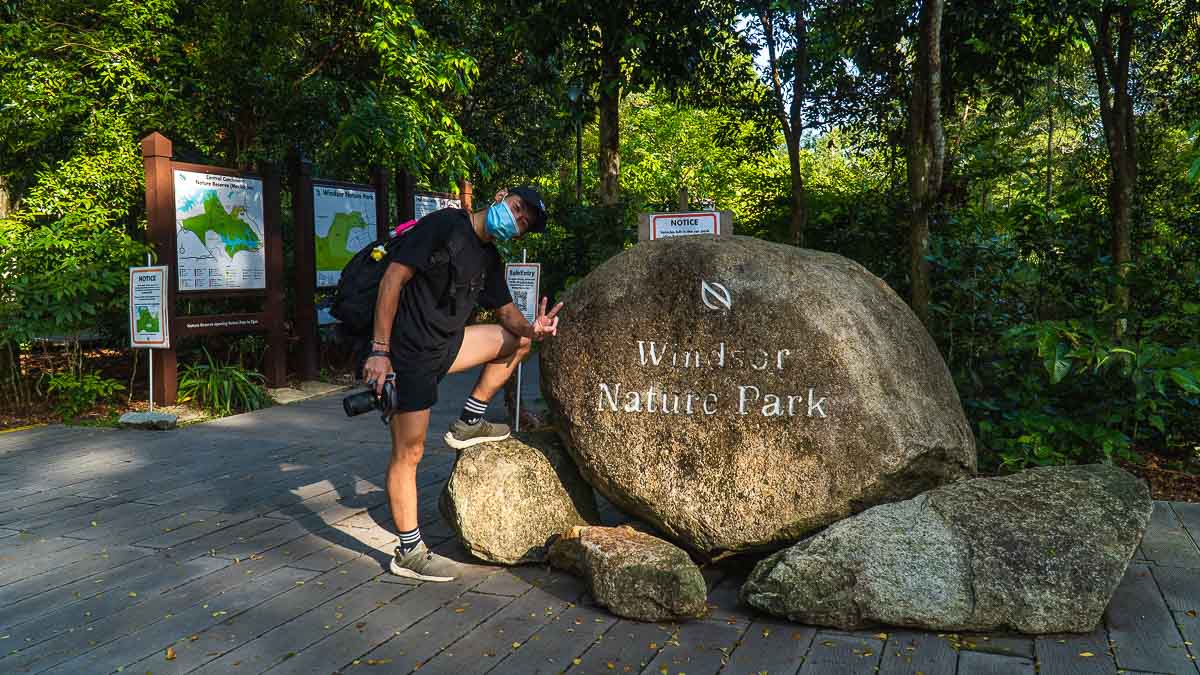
(546,323)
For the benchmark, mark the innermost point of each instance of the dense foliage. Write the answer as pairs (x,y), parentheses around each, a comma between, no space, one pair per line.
(1059,353)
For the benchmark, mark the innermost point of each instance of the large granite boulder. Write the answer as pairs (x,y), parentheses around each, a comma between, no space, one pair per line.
(508,500)
(737,394)
(1037,552)
(633,574)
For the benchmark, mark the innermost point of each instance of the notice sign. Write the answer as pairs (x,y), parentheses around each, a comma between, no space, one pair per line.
(425,203)
(147,312)
(344,222)
(684,224)
(524,279)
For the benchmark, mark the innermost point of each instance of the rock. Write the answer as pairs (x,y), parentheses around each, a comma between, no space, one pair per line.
(147,420)
(799,388)
(633,574)
(507,500)
(1041,551)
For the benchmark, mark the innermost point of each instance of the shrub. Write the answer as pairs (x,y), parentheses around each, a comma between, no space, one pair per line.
(75,394)
(222,389)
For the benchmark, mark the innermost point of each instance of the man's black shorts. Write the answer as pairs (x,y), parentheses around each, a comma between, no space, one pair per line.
(418,377)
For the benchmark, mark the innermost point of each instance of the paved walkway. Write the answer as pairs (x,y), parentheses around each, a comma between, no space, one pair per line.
(255,544)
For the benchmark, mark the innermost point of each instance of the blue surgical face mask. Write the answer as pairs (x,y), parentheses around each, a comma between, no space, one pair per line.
(500,222)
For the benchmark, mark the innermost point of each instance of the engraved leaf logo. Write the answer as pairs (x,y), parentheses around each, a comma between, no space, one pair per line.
(715,296)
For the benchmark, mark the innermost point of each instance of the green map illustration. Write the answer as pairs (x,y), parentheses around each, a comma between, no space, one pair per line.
(147,321)
(235,233)
(332,251)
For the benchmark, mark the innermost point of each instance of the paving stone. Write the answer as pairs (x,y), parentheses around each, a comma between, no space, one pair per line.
(1180,587)
(909,651)
(770,645)
(1065,654)
(554,648)
(118,597)
(516,623)
(141,611)
(1189,625)
(400,636)
(1142,628)
(698,647)
(1166,542)
(46,574)
(983,663)
(841,653)
(291,638)
(504,582)
(629,646)
(156,637)
(195,650)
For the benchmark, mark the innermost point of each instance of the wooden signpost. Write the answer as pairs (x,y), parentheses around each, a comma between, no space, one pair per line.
(334,220)
(217,231)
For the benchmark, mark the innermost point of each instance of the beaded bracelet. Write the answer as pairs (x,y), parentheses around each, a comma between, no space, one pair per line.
(376,352)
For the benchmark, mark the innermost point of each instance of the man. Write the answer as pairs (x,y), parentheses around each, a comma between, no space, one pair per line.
(445,265)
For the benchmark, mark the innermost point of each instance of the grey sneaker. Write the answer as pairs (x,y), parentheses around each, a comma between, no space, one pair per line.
(463,435)
(424,565)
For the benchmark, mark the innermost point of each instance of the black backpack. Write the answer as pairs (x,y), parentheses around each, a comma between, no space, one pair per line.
(353,302)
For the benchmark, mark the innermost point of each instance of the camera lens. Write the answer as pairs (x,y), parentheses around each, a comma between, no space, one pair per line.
(359,403)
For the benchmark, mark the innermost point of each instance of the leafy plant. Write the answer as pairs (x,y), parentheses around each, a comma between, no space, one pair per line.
(222,388)
(75,394)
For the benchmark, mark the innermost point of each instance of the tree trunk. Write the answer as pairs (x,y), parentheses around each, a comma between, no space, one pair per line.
(610,127)
(1111,67)
(926,150)
(1050,144)
(799,219)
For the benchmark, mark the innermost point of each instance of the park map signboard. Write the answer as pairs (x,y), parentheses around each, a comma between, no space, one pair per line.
(425,203)
(344,221)
(219,232)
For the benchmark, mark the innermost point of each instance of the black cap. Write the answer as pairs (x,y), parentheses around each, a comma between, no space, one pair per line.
(534,204)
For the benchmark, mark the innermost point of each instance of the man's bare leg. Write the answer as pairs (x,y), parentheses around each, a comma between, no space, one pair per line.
(408,446)
(413,560)
(498,350)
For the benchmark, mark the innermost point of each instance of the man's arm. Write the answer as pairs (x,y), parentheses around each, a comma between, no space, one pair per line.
(514,321)
(386,302)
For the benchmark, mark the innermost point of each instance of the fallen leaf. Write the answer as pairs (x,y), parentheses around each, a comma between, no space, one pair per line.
(194,638)
(93,523)
(1086,654)
(516,645)
(378,662)
(766,632)
(577,661)
(132,594)
(653,645)
(170,653)
(881,636)
(1191,613)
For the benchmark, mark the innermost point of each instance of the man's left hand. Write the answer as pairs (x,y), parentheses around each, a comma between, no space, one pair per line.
(546,323)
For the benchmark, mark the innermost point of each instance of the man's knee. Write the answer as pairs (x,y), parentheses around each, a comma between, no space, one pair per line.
(516,346)
(407,452)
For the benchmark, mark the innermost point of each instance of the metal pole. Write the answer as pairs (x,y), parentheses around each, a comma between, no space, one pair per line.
(150,361)
(517,422)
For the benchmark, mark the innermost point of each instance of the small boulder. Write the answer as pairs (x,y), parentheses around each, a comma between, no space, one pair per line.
(1041,551)
(633,574)
(147,420)
(508,500)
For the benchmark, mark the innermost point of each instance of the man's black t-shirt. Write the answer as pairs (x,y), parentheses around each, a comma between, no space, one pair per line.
(437,302)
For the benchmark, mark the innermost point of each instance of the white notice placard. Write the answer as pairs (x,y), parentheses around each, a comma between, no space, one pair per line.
(524,280)
(219,232)
(425,204)
(684,224)
(148,321)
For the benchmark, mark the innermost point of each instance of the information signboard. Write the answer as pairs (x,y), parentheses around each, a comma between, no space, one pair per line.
(425,203)
(524,280)
(343,223)
(664,225)
(149,325)
(219,232)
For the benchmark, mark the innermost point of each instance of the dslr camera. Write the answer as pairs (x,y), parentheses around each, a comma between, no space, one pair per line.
(366,401)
